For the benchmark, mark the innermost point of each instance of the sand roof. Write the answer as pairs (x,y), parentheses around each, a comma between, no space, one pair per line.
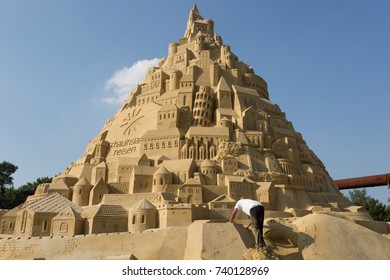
(192,182)
(177,164)
(162,133)
(223,198)
(83,182)
(53,203)
(207,163)
(237,178)
(12,212)
(59,185)
(89,211)
(129,160)
(112,211)
(143,204)
(162,170)
(208,131)
(69,212)
(222,85)
(245,90)
(101,184)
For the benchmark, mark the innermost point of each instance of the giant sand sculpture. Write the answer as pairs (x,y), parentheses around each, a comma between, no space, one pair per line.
(161,177)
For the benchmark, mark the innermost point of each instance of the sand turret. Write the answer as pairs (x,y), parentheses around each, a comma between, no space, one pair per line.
(142,216)
(81,192)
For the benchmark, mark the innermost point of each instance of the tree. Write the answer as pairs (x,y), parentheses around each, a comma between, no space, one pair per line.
(13,197)
(9,196)
(6,170)
(377,210)
(29,188)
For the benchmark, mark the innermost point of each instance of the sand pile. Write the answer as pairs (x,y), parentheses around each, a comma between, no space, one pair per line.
(254,254)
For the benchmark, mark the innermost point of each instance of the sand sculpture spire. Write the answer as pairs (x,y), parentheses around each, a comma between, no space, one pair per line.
(202,116)
(203,103)
(192,17)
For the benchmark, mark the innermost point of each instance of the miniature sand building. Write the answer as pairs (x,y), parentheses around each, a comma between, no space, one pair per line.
(36,218)
(198,133)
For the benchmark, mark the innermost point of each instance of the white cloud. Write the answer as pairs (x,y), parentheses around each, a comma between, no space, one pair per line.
(123,80)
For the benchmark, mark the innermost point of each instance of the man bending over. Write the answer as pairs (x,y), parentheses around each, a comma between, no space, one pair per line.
(255,211)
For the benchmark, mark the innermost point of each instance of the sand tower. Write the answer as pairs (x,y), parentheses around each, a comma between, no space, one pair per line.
(81,192)
(142,216)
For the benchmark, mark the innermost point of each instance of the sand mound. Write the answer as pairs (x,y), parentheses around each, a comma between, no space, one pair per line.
(217,241)
(324,237)
(254,254)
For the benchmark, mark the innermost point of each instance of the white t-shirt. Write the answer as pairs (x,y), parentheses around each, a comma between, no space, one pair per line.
(245,205)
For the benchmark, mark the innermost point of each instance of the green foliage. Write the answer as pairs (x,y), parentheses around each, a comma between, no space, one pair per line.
(11,197)
(31,187)
(377,210)
(6,171)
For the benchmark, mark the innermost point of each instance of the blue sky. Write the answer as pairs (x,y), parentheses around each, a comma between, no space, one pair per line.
(63,64)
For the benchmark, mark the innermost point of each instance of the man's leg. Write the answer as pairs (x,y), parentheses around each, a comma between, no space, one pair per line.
(257,221)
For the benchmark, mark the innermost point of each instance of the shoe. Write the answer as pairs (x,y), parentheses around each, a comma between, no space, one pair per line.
(261,247)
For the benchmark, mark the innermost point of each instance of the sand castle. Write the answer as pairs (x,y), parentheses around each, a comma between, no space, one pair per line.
(196,135)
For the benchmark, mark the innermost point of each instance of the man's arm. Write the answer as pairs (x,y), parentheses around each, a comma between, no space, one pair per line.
(233,215)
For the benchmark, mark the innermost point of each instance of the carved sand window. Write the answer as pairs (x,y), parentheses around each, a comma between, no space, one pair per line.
(64,227)
(44,227)
(24,221)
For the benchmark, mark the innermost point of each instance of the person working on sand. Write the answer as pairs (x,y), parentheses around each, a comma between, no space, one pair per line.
(255,211)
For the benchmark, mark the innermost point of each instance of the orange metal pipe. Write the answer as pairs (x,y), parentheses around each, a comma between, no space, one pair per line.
(364,182)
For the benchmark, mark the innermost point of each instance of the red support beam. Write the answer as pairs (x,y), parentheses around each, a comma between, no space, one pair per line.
(364,182)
